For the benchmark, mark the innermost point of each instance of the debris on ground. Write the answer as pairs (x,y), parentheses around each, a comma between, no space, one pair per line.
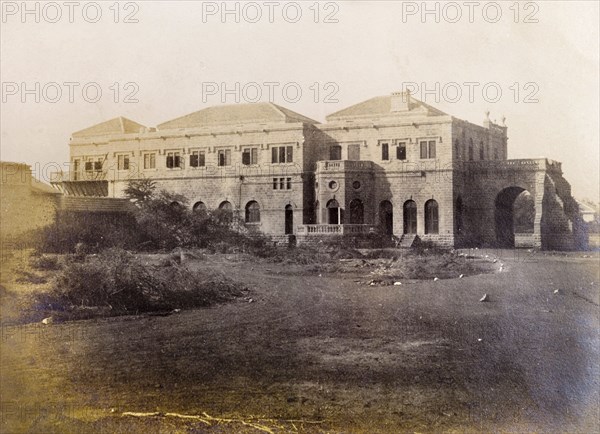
(484,298)
(48,320)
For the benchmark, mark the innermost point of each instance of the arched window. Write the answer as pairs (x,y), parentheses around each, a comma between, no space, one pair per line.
(252,212)
(470,149)
(481,151)
(431,217)
(224,214)
(226,206)
(356,212)
(199,207)
(410,217)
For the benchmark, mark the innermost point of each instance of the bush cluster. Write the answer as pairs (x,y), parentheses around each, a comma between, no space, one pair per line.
(120,282)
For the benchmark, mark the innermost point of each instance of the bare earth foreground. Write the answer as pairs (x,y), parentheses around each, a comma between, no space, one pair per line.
(314,353)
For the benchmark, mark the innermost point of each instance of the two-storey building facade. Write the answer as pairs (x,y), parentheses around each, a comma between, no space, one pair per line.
(391,164)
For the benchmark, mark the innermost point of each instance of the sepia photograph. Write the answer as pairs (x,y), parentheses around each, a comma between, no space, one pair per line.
(299,217)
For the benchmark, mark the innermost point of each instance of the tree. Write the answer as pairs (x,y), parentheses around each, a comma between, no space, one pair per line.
(140,190)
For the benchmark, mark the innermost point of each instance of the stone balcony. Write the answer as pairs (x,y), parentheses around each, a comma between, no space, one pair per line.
(344,165)
(325,229)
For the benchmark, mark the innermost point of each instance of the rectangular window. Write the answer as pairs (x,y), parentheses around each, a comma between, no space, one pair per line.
(281,183)
(275,183)
(173,160)
(495,154)
(225,157)
(123,162)
(250,156)
(197,159)
(150,161)
(432,149)
(481,155)
(98,165)
(428,149)
(289,183)
(401,151)
(335,152)
(89,166)
(385,151)
(282,154)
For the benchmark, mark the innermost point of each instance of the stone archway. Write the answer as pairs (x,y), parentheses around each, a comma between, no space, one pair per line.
(514,213)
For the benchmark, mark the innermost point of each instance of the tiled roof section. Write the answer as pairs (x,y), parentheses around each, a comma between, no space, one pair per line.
(382,106)
(232,114)
(118,125)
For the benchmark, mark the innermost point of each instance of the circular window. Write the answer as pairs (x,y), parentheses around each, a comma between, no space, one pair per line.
(333,185)
(356,185)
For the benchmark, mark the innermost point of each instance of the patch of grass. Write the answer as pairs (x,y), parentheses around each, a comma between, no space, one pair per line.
(45,263)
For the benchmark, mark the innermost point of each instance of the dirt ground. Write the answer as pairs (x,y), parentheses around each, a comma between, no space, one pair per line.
(327,353)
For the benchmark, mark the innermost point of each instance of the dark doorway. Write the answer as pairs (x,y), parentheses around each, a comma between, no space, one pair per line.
(334,213)
(289,220)
(386,217)
(458,215)
(410,217)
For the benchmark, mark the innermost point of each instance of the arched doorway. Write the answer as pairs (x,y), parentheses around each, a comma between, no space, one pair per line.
(432,218)
(357,212)
(458,215)
(386,217)
(410,217)
(334,213)
(289,219)
(514,213)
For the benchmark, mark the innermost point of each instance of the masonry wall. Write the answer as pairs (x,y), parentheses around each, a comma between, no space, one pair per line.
(22,207)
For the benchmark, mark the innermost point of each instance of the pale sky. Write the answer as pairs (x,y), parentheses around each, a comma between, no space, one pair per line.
(172,54)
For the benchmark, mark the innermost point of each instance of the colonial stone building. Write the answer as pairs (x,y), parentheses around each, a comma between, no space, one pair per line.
(390,164)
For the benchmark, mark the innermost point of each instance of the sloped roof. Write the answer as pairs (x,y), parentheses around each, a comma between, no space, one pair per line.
(382,106)
(118,125)
(43,188)
(263,112)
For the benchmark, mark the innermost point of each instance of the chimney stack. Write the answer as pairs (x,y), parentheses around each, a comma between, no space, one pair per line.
(400,101)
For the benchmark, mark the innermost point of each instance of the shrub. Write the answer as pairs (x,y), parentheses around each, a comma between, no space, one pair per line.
(120,281)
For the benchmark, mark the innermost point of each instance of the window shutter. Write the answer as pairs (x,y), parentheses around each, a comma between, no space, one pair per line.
(423,149)
(432,149)
(290,154)
(282,154)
